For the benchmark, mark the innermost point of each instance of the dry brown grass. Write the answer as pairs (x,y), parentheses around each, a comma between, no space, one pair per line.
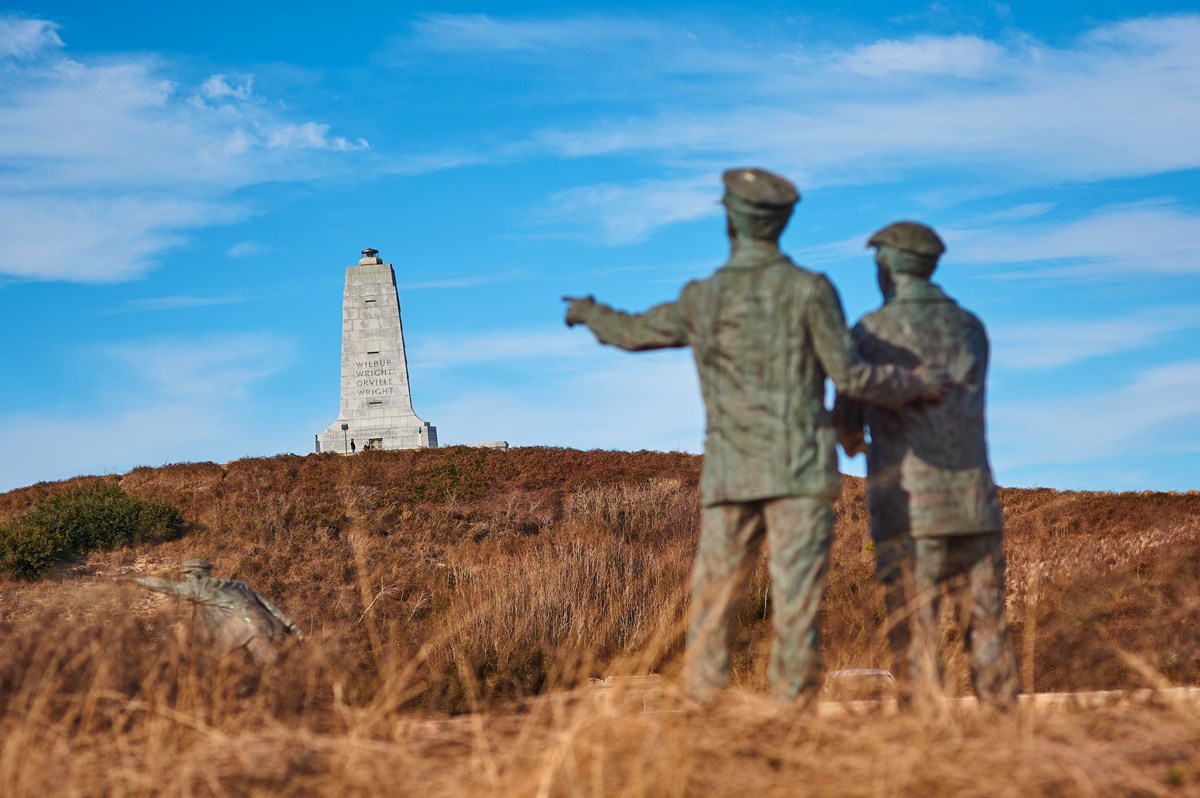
(457,601)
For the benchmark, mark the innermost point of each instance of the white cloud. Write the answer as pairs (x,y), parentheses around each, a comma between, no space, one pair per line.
(476,33)
(502,347)
(1053,344)
(106,163)
(628,214)
(1117,241)
(1017,213)
(96,239)
(311,136)
(597,399)
(23,38)
(176,303)
(490,278)
(965,56)
(216,366)
(247,249)
(590,55)
(191,399)
(1123,101)
(218,87)
(1156,410)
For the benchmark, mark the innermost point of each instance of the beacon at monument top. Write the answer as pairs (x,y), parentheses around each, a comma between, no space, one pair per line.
(376,406)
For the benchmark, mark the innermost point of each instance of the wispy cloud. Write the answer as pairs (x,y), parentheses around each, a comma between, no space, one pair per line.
(221,88)
(23,38)
(481,33)
(491,278)
(1115,241)
(628,214)
(1156,409)
(502,347)
(1122,101)
(311,136)
(217,366)
(159,400)
(93,239)
(594,398)
(1017,213)
(963,56)
(247,249)
(178,302)
(1053,344)
(158,159)
(605,50)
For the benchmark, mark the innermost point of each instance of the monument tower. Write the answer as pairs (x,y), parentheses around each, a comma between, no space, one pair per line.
(377,411)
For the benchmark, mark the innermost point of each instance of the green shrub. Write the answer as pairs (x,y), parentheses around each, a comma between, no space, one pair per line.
(88,517)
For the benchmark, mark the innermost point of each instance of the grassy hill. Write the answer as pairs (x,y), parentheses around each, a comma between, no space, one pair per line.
(435,583)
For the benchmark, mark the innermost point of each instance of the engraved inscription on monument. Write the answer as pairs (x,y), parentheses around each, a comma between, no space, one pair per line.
(376,410)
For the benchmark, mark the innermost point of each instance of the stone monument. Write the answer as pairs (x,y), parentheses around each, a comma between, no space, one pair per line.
(376,411)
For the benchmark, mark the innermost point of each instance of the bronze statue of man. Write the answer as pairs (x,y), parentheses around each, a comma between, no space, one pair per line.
(228,616)
(935,511)
(765,334)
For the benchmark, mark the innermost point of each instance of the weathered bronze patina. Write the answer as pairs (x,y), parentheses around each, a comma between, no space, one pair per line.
(935,511)
(228,616)
(765,334)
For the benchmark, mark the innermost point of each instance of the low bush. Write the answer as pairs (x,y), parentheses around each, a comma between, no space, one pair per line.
(91,516)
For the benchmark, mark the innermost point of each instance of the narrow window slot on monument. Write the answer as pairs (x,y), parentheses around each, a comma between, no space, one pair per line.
(375,402)
(370,301)
(373,352)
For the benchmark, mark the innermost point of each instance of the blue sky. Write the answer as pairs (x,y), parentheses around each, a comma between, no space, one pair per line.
(181,189)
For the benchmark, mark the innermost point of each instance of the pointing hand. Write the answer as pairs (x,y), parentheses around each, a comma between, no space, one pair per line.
(578,309)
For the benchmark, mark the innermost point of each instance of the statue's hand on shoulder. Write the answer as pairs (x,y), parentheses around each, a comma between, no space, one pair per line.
(936,381)
(577,309)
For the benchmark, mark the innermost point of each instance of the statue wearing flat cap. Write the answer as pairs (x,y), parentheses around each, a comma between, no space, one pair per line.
(935,511)
(228,617)
(765,335)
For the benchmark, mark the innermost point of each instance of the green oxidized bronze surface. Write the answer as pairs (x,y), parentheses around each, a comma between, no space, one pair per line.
(765,334)
(227,615)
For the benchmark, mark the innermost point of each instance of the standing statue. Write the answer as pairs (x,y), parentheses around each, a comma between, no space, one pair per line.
(227,616)
(765,334)
(935,511)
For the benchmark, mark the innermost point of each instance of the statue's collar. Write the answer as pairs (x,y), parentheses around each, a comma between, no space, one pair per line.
(919,291)
(750,256)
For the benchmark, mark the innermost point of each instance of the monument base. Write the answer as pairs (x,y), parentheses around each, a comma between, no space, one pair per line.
(370,434)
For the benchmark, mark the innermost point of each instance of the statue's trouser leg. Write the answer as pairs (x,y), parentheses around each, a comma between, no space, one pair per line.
(931,555)
(730,537)
(799,534)
(985,628)
(973,565)
(894,570)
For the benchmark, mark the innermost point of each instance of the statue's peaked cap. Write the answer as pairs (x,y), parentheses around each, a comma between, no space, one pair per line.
(188,566)
(911,237)
(761,188)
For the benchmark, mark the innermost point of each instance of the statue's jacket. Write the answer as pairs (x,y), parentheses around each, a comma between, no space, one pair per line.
(927,470)
(765,334)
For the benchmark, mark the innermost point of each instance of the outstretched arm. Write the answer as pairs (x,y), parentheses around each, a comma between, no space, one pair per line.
(283,618)
(168,586)
(660,327)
